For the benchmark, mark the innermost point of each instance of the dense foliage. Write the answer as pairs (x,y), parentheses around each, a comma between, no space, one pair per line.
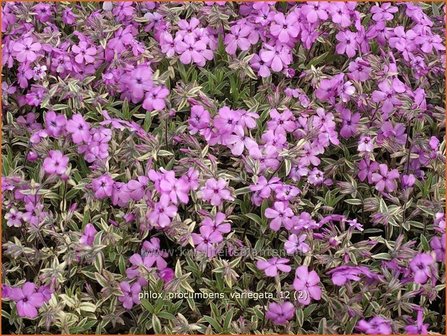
(223,167)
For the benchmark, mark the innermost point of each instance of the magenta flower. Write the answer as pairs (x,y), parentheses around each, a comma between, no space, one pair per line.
(280,214)
(103,186)
(420,328)
(307,283)
(79,129)
(28,300)
(55,163)
(88,236)
(280,313)
(55,123)
(242,36)
(359,70)
(84,53)
(295,243)
(216,191)
(285,28)
(155,99)
(206,241)
(173,190)
(277,57)
(438,246)
(347,43)
(315,11)
(366,144)
(162,214)
(385,179)
(421,267)
(273,265)
(26,50)
(131,294)
(218,223)
(14,217)
(387,94)
(376,326)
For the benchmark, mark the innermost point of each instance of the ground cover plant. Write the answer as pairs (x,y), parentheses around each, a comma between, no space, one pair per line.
(215,167)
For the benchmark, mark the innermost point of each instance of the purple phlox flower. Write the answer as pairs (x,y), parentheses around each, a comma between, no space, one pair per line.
(88,236)
(421,265)
(387,94)
(263,68)
(273,265)
(286,192)
(280,313)
(192,50)
(79,129)
(43,12)
(301,222)
(277,57)
(408,180)
(103,186)
(140,266)
(385,179)
(131,294)
(339,14)
(29,122)
(295,243)
(440,222)
(191,179)
(420,328)
(167,274)
(68,17)
(28,299)
(262,189)
(350,123)
(354,224)
(285,28)
(227,120)
(155,99)
(281,122)
(26,50)
(384,12)
(438,246)
(172,189)
(162,213)
(139,82)
(14,217)
(315,11)
(151,249)
(366,144)
(315,176)
(55,163)
(347,43)
(247,118)
(308,284)
(167,44)
(242,36)
(55,123)
(137,188)
(328,88)
(377,325)
(390,131)
(207,239)
(280,214)
(342,274)
(216,191)
(359,70)
(366,170)
(84,53)
(199,120)
(430,42)
(218,223)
